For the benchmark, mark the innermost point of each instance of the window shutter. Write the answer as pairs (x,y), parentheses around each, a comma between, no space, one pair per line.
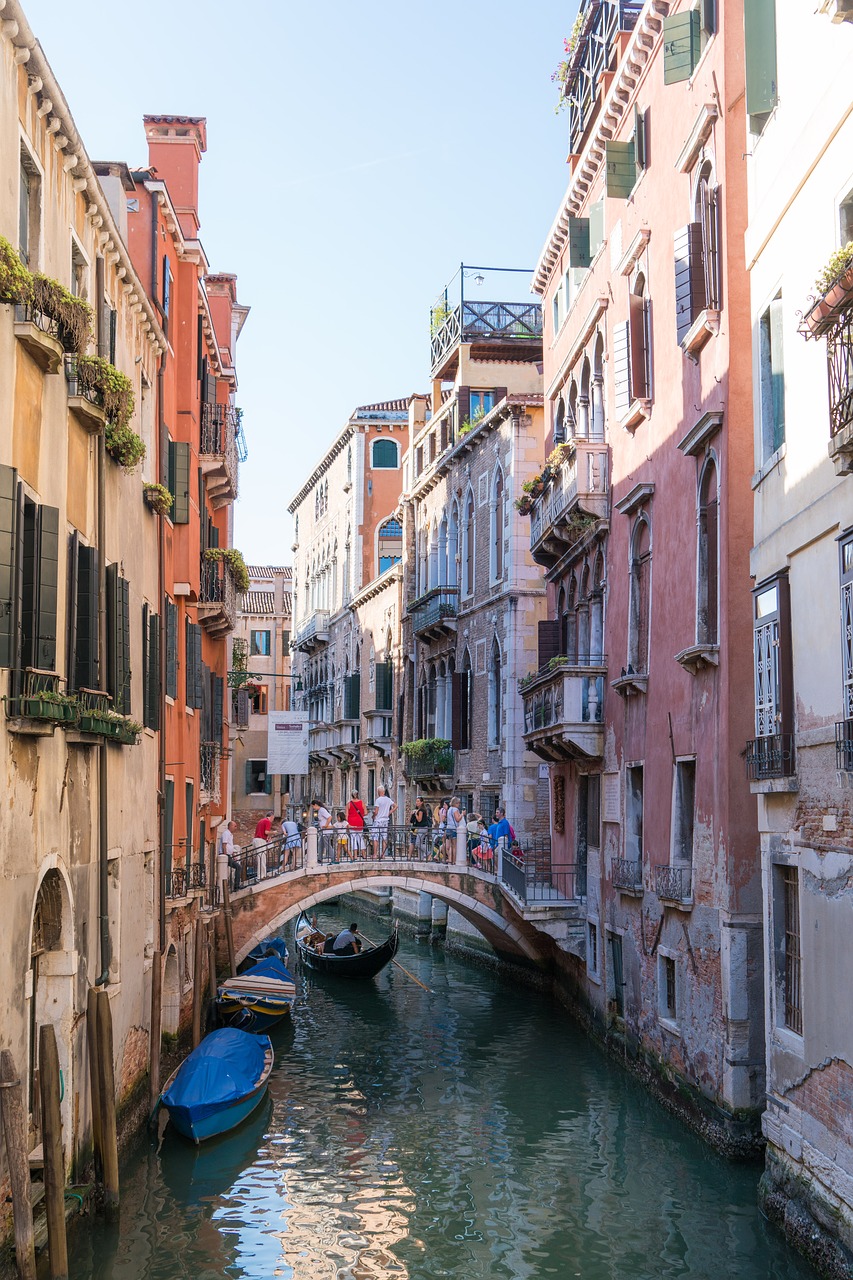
(709,16)
(86,638)
(268,782)
(218,699)
(549,640)
(171,611)
(621,368)
(48,578)
(401,713)
(193,663)
(179,481)
(641,137)
(384,686)
(456,709)
(759,22)
(638,360)
(579,255)
(206,703)
(153,702)
(249,777)
(189,662)
(620,169)
(118,639)
(146,665)
(167,280)
(71,609)
(689,278)
(8,594)
(199,676)
(680,46)
(711,248)
(210,388)
(242,708)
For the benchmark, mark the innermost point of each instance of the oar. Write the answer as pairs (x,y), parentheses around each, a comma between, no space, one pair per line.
(400,967)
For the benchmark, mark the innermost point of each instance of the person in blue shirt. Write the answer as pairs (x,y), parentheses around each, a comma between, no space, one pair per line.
(501,830)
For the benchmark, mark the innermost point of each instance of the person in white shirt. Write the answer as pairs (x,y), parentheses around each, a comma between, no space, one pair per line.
(383,810)
(227,850)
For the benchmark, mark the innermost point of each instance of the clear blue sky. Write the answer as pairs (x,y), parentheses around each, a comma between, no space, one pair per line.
(356,154)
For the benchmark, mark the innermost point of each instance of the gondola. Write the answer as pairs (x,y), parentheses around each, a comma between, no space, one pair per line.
(219,1085)
(366,964)
(257,998)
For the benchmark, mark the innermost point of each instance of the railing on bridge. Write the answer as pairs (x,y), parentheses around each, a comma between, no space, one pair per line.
(387,844)
(531,877)
(253,864)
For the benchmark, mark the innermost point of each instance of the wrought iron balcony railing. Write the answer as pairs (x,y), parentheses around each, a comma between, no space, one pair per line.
(592,55)
(770,757)
(530,875)
(504,322)
(673,883)
(217,597)
(429,758)
(218,452)
(627,875)
(564,711)
(211,771)
(576,496)
(435,611)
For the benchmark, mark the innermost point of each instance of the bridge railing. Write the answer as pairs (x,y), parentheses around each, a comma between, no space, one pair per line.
(384,844)
(251,865)
(529,874)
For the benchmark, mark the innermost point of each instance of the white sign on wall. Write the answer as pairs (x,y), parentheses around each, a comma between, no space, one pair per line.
(287,742)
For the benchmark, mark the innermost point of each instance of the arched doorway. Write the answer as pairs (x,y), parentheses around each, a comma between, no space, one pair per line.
(53,968)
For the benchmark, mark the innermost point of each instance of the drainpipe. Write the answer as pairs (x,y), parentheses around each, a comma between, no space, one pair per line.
(103,833)
(161,771)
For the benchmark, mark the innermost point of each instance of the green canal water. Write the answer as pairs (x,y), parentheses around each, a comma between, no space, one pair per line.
(471,1132)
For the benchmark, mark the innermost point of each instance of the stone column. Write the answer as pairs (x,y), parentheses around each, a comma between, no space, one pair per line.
(311,850)
(424,915)
(462,845)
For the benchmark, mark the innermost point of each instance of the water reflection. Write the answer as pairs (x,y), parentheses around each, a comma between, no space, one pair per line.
(467,1133)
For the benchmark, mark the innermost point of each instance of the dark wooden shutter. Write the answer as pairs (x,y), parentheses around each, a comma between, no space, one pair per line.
(118,636)
(709,16)
(759,22)
(218,707)
(620,169)
(179,481)
(641,137)
(579,255)
(401,714)
(549,641)
(456,709)
(8,535)
(171,612)
(689,278)
(194,681)
(680,45)
(47,587)
(153,702)
(621,367)
(86,621)
(637,338)
(384,686)
(463,402)
(71,609)
(146,665)
(250,778)
(206,703)
(267,781)
(242,708)
(199,678)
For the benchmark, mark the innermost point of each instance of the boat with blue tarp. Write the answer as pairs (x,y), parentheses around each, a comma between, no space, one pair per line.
(221,1083)
(257,998)
(270,947)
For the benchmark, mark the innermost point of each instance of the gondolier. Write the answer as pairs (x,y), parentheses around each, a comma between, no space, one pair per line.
(347,943)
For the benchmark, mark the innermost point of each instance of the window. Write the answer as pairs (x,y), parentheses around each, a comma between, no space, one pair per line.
(697,261)
(384,455)
(771,376)
(29,210)
(259,644)
(171,616)
(178,481)
(468,545)
(258,781)
(259,700)
(460,709)
(708,558)
(639,341)
(390,544)
(620,161)
(683,812)
(495,680)
(79,272)
(685,36)
(786,896)
(592,947)
(150,669)
(640,597)
(481,403)
(193,664)
(82,668)
(497,521)
(285,644)
(773,674)
(615,975)
(167,301)
(845,219)
(560,423)
(634,813)
(667,988)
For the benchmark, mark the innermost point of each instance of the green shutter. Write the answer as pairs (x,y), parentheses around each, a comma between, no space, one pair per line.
(118,639)
(86,640)
(179,481)
(194,689)
(8,513)
(689,277)
(681,34)
(267,780)
(171,612)
(759,22)
(641,134)
(621,169)
(249,777)
(579,255)
(169,807)
(189,663)
(151,668)
(48,579)
(218,710)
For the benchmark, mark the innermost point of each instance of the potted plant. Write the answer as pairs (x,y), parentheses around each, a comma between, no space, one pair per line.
(16,283)
(74,317)
(129,732)
(115,392)
(524,504)
(158,498)
(232,557)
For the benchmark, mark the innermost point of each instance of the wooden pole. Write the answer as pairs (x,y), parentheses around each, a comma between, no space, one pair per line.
(54,1160)
(211,959)
(154,1042)
(198,984)
(95,1080)
(14,1127)
(229,928)
(108,1102)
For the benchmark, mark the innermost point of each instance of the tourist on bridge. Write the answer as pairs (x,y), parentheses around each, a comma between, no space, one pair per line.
(259,843)
(420,823)
(227,849)
(455,820)
(501,833)
(355,820)
(292,841)
(347,943)
(383,811)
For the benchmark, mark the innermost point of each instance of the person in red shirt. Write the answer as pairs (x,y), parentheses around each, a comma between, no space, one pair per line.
(355,821)
(262,835)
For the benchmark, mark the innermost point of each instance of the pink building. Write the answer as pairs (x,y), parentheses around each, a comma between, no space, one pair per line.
(641,523)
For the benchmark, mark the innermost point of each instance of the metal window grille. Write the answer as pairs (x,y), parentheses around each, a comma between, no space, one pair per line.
(793,971)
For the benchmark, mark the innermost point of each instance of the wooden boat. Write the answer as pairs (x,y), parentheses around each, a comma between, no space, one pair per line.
(269,947)
(219,1085)
(258,998)
(366,964)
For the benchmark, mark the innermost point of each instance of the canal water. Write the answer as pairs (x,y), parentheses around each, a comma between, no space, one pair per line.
(469,1132)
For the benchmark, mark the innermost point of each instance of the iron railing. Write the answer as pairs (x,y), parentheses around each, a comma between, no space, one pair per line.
(211,771)
(770,757)
(530,875)
(217,587)
(839,353)
(627,875)
(219,439)
(673,883)
(478,321)
(433,608)
(434,760)
(28,313)
(39,695)
(591,56)
(252,864)
(844,746)
(76,385)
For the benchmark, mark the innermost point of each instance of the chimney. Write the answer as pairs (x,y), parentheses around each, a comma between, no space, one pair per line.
(175,147)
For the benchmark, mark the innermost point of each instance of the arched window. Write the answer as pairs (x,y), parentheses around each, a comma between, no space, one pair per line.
(422,562)
(596,612)
(573,409)
(562,619)
(384,455)
(597,416)
(466,693)
(582,425)
(583,617)
(705,213)
(433,558)
(560,423)
(442,552)
(496,540)
(453,547)
(431,702)
(572,620)
(639,340)
(422,707)
(442,714)
(640,602)
(468,545)
(349,465)
(390,544)
(495,695)
(708,564)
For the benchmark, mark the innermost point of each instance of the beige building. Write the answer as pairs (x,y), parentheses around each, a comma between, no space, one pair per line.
(800,758)
(80,686)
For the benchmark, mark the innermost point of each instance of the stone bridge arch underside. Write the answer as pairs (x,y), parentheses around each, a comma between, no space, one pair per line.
(259,912)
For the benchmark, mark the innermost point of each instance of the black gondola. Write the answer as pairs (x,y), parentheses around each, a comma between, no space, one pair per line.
(366,964)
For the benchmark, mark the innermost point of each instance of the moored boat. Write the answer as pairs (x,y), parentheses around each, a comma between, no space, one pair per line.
(257,998)
(365,964)
(221,1083)
(270,947)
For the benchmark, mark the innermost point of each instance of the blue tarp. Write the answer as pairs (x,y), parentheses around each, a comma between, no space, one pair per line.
(271,967)
(224,1067)
(269,947)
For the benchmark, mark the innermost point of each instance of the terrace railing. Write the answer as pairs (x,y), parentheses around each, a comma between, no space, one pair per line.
(770,757)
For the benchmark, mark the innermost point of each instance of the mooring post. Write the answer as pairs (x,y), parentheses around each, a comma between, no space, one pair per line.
(211,959)
(198,984)
(14,1128)
(54,1160)
(154,1042)
(95,1080)
(462,845)
(108,1102)
(229,927)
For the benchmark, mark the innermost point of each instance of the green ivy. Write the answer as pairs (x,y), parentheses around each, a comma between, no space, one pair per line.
(425,748)
(115,389)
(16,283)
(74,316)
(234,558)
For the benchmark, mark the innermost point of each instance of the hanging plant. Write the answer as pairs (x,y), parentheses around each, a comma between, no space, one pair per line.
(115,389)
(124,446)
(16,283)
(158,498)
(524,504)
(561,74)
(73,316)
(838,265)
(233,558)
(560,453)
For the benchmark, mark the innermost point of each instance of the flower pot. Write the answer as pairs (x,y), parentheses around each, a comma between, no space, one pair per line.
(38,708)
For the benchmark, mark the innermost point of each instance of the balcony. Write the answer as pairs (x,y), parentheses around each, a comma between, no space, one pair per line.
(493,330)
(564,712)
(211,773)
(433,614)
(576,496)
(313,632)
(39,335)
(218,452)
(429,760)
(217,597)
(627,876)
(771,760)
(844,746)
(674,884)
(85,402)
(593,55)
(535,881)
